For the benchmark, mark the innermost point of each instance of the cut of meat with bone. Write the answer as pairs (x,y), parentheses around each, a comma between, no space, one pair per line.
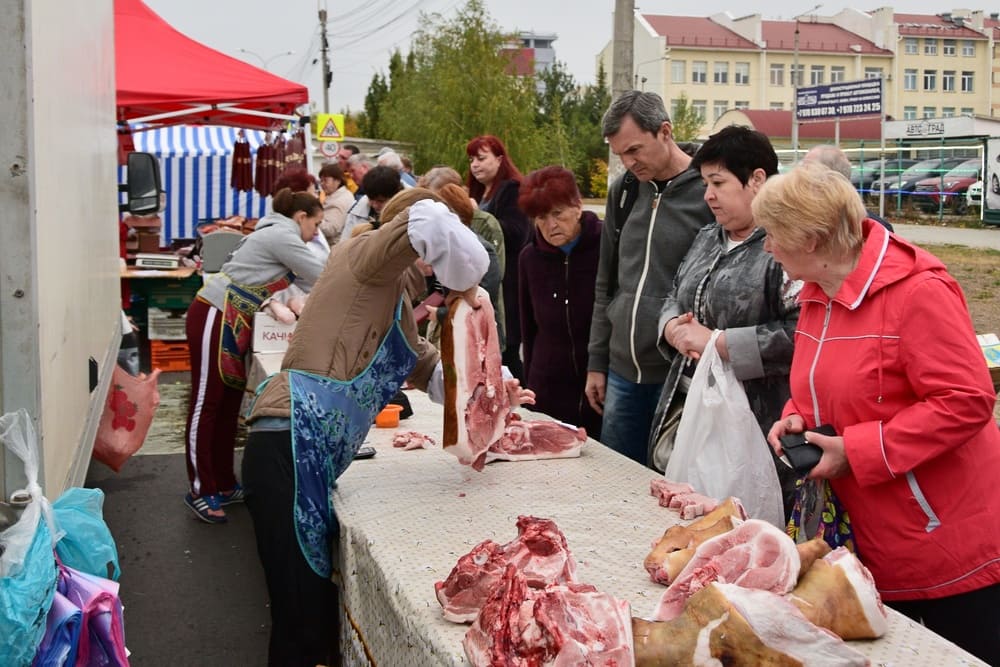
(677,546)
(462,594)
(476,405)
(754,554)
(539,553)
(412,440)
(692,505)
(838,593)
(726,624)
(534,440)
(664,489)
(559,626)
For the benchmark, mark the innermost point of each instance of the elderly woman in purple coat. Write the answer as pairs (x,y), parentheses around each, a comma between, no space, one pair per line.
(557,270)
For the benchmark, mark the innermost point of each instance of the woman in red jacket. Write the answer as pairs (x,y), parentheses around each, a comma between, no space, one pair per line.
(885,352)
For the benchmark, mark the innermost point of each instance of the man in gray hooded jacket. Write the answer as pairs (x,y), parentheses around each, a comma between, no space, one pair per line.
(664,202)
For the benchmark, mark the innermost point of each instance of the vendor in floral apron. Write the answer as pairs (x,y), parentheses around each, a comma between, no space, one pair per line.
(354,346)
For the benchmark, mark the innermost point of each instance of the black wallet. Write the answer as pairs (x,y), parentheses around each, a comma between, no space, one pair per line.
(800,454)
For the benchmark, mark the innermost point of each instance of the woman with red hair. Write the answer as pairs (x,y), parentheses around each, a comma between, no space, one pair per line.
(558,270)
(494,183)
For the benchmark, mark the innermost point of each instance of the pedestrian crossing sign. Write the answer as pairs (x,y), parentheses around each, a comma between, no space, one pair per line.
(330,126)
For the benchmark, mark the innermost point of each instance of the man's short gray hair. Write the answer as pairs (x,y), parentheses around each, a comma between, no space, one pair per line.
(646,109)
(390,158)
(831,157)
(360,158)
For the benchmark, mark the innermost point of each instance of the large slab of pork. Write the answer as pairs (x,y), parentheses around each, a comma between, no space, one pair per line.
(754,554)
(562,625)
(675,549)
(839,594)
(476,405)
(726,624)
(539,552)
(524,440)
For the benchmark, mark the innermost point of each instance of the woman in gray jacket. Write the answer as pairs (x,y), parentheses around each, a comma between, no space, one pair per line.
(219,328)
(729,282)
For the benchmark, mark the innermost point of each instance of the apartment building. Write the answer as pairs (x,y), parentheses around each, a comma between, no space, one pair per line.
(932,65)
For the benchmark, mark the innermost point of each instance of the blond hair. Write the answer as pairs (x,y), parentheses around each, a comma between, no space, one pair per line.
(458,201)
(403,200)
(811,205)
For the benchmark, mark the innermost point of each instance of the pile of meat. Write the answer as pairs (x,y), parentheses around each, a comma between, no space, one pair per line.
(741,592)
(479,425)
(526,606)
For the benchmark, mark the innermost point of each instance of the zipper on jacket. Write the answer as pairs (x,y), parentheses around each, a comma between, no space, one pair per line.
(642,283)
(815,362)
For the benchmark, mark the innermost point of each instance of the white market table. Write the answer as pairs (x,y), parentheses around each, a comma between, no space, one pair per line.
(407,516)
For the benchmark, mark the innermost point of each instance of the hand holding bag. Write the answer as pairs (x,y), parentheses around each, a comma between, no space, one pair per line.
(719,448)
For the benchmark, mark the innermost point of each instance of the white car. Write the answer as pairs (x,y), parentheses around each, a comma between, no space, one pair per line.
(974,195)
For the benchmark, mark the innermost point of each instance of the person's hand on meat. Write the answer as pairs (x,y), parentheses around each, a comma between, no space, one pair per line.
(518,394)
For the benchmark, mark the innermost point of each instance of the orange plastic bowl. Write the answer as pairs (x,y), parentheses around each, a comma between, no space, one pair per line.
(389,417)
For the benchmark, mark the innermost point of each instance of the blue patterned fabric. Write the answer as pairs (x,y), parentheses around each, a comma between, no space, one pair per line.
(330,419)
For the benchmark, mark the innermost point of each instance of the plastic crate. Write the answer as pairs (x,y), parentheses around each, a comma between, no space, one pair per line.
(166,324)
(169,356)
(168,294)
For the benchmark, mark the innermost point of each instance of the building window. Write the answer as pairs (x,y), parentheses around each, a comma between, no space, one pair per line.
(909,113)
(776,106)
(968,111)
(930,79)
(930,112)
(816,74)
(968,47)
(699,107)
(674,108)
(948,47)
(910,46)
(699,71)
(930,47)
(909,79)
(678,71)
(741,76)
(741,104)
(719,107)
(873,72)
(947,112)
(721,71)
(967,86)
(948,80)
(836,73)
(798,75)
(777,75)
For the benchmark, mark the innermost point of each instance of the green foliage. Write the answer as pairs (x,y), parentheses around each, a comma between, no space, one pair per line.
(455,84)
(685,121)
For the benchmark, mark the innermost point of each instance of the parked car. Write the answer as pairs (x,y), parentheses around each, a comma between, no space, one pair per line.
(869,171)
(904,183)
(943,192)
(974,195)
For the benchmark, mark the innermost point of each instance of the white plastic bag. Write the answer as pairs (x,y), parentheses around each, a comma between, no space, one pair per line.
(719,448)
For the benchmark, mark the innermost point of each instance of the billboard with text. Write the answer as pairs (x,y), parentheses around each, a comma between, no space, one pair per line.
(839,100)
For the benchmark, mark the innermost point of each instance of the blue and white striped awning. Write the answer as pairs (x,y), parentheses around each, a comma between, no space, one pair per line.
(196,163)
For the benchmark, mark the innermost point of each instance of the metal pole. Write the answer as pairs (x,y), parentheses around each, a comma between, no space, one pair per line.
(326,61)
(795,95)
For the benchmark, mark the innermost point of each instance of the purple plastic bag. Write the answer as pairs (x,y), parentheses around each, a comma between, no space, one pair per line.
(102,635)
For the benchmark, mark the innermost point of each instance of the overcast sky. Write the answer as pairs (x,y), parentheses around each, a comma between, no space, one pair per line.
(364,33)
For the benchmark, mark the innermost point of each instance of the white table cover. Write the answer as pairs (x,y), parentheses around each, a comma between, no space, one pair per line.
(407,516)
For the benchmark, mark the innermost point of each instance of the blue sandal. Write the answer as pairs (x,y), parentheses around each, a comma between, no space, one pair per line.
(237,495)
(202,505)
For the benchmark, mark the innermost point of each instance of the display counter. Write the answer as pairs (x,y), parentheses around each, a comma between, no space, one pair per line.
(407,516)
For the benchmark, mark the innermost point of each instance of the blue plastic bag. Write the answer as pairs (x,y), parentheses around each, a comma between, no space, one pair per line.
(87,545)
(28,569)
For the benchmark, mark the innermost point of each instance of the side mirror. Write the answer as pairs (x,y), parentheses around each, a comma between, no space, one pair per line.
(144,189)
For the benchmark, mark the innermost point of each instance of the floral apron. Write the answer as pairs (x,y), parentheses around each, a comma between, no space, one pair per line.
(242,302)
(330,419)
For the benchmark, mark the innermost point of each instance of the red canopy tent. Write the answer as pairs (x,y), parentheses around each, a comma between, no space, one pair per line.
(166,78)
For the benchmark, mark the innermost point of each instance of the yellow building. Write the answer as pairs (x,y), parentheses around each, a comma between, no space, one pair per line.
(933,66)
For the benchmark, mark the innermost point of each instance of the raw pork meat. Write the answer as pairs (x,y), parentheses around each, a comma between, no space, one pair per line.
(476,405)
(664,489)
(754,554)
(838,593)
(539,553)
(560,626)
(677,546)
(412,440)
(692,505)
(725,624)
(535,440)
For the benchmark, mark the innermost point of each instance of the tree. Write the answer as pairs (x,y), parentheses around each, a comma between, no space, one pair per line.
(685,120)
(460,87)
(369,122)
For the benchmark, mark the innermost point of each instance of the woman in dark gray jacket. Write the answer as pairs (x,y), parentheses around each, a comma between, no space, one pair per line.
(729,282)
